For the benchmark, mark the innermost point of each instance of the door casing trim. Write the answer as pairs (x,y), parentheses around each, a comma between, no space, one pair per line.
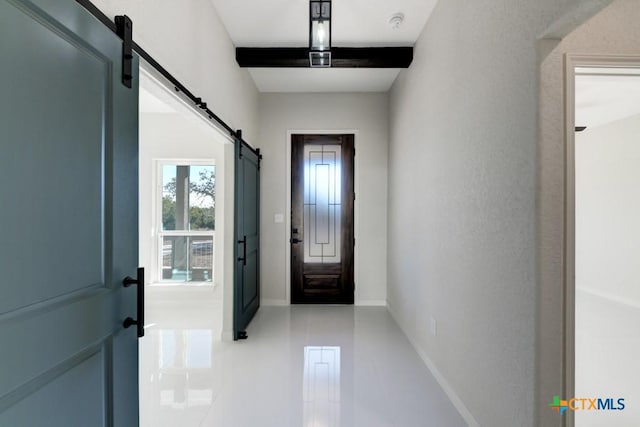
(569,265)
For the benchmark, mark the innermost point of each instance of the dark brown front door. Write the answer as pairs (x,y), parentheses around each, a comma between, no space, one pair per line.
(322,219)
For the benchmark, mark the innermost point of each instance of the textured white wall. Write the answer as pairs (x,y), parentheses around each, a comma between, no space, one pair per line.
(189,40)
(614,31)
(608,210)
(368,115)
(462,200)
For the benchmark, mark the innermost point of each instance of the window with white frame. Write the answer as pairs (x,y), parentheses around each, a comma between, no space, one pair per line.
(186,222)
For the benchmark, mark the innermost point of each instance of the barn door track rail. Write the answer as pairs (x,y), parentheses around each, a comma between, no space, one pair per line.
(123,27)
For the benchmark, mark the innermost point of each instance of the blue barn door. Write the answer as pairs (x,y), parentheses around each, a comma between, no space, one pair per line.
(68,212)
(246,293)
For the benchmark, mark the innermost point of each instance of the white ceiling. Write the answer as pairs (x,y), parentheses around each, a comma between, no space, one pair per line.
(355,23)
(606,95)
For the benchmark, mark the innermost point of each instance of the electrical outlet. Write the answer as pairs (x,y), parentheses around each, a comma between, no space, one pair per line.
(433,327)
(278,218)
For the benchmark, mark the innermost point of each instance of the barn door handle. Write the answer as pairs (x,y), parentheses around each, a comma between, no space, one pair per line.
(243,258)
(295,240)
(129,321)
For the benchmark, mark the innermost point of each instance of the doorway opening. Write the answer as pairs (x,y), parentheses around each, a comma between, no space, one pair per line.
(185,208)
(322,218)
(603,235)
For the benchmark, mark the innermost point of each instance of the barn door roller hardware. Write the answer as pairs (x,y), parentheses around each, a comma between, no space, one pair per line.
(107,22)
(124,28)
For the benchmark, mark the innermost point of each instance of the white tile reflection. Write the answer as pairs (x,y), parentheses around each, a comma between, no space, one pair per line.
(302,366)
(179,367)
(321,388)
(180,379)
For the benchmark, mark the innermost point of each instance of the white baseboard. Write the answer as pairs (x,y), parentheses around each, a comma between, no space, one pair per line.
(270,302)
(451,394)
(371,303)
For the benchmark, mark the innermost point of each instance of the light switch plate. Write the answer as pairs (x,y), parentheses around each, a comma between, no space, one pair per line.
(278,218)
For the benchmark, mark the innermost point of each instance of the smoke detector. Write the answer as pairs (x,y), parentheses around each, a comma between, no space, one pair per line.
(396,20)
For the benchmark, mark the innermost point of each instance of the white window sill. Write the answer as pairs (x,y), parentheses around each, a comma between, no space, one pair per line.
(182,285)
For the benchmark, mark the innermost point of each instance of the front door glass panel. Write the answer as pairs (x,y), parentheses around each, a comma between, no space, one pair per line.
(322,203)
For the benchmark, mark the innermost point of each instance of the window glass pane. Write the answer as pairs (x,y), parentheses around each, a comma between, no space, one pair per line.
(188,197)
(168,197)
(202,198)
(322,203)
(187,259)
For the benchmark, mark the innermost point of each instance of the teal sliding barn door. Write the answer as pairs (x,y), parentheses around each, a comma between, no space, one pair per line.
(68,212)
(246,293)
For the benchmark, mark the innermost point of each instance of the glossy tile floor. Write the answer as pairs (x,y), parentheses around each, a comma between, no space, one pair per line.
(302,366)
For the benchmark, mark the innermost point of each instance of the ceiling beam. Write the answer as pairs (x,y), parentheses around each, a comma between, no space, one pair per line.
(341,57)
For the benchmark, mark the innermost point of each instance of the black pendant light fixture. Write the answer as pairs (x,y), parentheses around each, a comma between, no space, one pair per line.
(320,53)
(320,33)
